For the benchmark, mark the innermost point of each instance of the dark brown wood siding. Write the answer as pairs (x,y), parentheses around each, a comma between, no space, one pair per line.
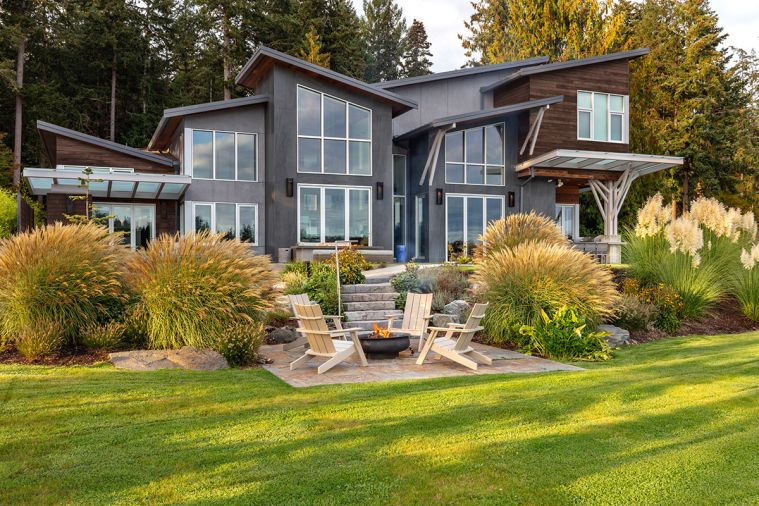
(73,152)
(514,93)
(568,194)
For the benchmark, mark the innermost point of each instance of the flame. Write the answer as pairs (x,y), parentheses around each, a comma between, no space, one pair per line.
(382,332)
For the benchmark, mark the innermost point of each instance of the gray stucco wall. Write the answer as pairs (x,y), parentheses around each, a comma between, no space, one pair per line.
(281,158)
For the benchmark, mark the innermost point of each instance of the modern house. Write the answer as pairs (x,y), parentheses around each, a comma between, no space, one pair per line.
(313,157)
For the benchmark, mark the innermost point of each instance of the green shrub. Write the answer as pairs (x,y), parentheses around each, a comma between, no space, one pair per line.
(295,282)
(633,313)
(297,267)
(8,210)
(565,336)
(519,228)
(44,339)
(745,282)
(103,336)
(277,317)
(66,276)
(668,303)
(446,283)
(191,288)
(521,282)
(321,288)
(240,342)
(352,265)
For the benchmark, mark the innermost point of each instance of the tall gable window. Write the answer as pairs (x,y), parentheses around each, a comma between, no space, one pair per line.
(602,117)
(475,156)
(223,155)
(334,136)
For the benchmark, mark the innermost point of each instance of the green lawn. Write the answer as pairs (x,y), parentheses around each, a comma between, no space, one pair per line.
(671,422)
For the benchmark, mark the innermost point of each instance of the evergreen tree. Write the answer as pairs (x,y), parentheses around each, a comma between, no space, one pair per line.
(384,31)
(416,59)
(312,50)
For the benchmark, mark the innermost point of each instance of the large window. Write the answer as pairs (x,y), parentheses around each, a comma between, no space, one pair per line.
(475,156)
(136,222)
(328,214)
(334,136)
(224,155)
(399,199)
(601,117)
(467,216)
(233,220)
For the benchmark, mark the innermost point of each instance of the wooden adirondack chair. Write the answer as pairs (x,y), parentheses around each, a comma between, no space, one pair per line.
(416,316)
(459,349)
(319,337)
(302,299)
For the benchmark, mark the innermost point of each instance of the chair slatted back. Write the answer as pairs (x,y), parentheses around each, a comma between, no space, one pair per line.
(300,298)
(312,321)
(468,331)
(418,308)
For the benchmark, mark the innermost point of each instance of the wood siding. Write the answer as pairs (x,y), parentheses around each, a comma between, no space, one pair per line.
(513,93)
(568,194)
(74,152)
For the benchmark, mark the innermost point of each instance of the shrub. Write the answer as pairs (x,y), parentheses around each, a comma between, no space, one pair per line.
(408,280)
(60,276)
(297,267)
(565,336)
(352,265)
(446,283)
(8,210)
(240,342)
(191,288)
(44,339)
(746,283)
(515,229)
(633,313)
(277,317)
(295,282)
(521,282)
(103,336)
(322,288)
(668,303)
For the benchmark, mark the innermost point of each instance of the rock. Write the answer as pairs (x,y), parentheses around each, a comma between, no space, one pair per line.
(152,360)
(617,336)
(457,308)
(442,320)
(281,336)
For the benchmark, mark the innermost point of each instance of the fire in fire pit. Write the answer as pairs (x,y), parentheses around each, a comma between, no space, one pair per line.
(382,332)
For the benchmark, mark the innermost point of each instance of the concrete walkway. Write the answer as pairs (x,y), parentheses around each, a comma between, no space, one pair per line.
(403,368)
(390,271)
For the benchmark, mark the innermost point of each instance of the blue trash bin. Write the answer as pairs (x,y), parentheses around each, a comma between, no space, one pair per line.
(400,253)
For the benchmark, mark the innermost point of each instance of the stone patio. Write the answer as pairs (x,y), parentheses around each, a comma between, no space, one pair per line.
(403,368)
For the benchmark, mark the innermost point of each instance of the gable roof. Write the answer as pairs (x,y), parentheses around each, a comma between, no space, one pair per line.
(172,117)
(263,57)
(452,74)
(47,129)
(551,67)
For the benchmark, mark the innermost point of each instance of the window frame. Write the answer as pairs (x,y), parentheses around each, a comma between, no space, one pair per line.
(131,205)
(625,114)
(400,196)
(322,138)
(322,212)
(484,163)
(575,208)
(188,155)
(238,206)
(466,197)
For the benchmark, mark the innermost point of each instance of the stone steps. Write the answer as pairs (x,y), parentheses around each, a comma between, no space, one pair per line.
(376,280)
(368,297)
(352,316)
(366,324)
(370,288)
(376,305)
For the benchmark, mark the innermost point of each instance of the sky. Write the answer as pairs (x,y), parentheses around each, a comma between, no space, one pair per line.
(444,19)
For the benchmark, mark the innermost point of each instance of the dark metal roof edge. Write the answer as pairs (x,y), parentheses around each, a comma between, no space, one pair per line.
(452,74)
(104,143)
(550,67)
(482,114)
(331,74)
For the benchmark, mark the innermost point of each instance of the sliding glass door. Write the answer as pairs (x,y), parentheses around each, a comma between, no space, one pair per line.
(136,222)
(467,216)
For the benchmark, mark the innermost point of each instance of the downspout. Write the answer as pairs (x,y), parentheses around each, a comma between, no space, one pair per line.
(521,188)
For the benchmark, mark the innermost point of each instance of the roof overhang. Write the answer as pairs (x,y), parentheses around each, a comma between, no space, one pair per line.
(482,115)
(264,57)
(588,165)
(173,117)
(107,183)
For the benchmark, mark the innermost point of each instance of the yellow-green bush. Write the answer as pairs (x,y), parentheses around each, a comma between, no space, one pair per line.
(191,288)
(41,340)
(59,277)
(103,336)
(515,229)
(240,342)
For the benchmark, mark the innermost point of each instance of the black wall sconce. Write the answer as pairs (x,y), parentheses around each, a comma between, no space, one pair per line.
(512,199)
(289,183)
(439,196)
(380,190)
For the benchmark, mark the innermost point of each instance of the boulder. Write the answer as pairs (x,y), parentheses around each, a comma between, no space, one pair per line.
(282,335)
(442,320)
(457,308)
(617,336)
(152,360)
(189,357)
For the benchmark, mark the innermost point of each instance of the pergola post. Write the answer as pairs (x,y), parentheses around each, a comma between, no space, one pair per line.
(609,196)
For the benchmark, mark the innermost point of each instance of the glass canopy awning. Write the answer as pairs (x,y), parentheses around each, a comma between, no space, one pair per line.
(106,182)
(601,165)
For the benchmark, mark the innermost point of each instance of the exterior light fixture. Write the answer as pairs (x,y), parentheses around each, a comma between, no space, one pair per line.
(380,190)
(559,183)
(439,196)
(512,199)
(289,183)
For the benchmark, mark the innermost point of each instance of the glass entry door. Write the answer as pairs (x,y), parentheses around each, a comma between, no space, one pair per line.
(421,227)
(135,221)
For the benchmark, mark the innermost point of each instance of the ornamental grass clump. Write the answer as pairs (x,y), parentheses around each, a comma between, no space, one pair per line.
(519,228)
(522,282)
(59,279)
(746,283)
(190,289)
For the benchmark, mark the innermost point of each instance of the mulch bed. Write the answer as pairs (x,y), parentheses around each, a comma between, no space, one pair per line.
(66,358)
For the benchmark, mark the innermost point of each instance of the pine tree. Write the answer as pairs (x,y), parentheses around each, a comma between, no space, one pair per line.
(384,31)
(416,59)
(312,50)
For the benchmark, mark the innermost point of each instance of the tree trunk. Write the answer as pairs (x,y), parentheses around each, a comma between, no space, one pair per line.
(113,98)
(227,87)
(20,54)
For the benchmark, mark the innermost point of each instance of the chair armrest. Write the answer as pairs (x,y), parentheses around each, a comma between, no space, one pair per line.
(443,329)
(347,331)
(456,325)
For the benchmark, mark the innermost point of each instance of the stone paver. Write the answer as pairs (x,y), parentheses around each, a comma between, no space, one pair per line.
(403,368)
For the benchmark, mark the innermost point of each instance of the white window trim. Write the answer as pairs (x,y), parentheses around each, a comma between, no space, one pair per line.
(188,165)
(400,196)
(625,116)
(237,218)
(467,196)
(575,220)
(347,139)
(484,164)
(322,212)
(100,205)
